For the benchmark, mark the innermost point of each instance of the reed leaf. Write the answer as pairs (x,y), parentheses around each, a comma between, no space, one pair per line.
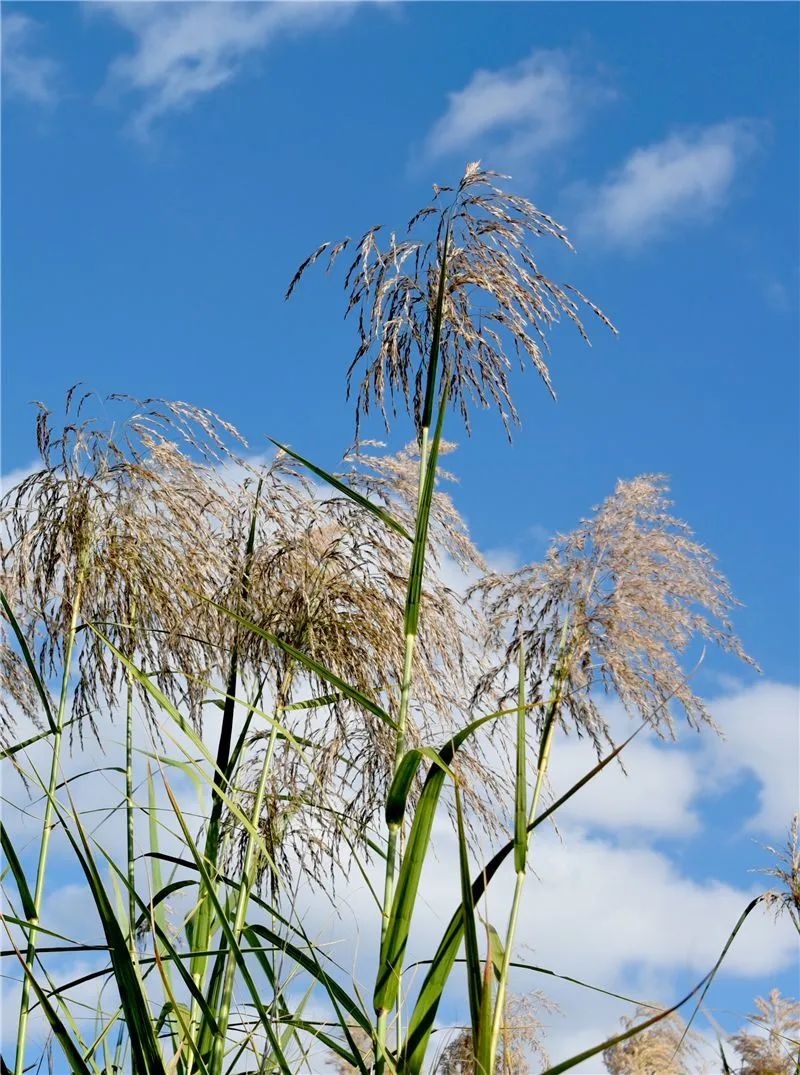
(310,665)
(72,1054)
(145,1049)
(414,857)
(423,1015)
(472,955)
(30,663)
(231,939)
(353,494)
(565,1065)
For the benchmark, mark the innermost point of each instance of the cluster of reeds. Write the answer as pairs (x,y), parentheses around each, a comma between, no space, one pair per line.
(149,569)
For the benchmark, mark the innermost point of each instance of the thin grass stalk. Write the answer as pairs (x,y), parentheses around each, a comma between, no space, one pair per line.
(411,620)
(521,859)
(247,883)
(202,933)
(41,869)
(129,807)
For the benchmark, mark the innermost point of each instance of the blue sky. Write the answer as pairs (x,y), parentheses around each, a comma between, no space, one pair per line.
(166,168)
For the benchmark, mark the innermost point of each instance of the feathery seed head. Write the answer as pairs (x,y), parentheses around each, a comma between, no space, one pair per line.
(116,528)
(633,588)
(774,1052)
(498,305)
(660,1050)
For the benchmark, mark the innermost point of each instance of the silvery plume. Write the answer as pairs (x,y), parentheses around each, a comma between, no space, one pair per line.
(498,305)
(119,527)
(612,608)
(330,579)
(665,1048)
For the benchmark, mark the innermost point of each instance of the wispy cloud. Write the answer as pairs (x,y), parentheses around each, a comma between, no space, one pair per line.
(183,51)
(27,73)
(517,111)
(686,178)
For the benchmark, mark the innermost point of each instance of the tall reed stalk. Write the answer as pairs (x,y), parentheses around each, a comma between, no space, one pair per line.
(523,828)
(247,882)
(427,476)
(47,823)
(130,694)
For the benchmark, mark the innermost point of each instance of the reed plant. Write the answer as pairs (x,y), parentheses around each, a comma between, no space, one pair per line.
(288,638)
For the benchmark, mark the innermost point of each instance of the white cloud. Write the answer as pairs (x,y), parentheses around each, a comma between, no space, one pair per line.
(686,178)
(185,50)
(517,111)
(656,796)
(761,726)
(27,74)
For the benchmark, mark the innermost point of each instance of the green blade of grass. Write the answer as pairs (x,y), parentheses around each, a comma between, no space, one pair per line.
(148,914)
(424,1013)
(419,552)
(9,752)
(587,1054)
(27,656)
(399,924)
(342,487)
(713,973)
(472,955)
(229,935)
(145,1049)
(35,927)
(77,1064)
(310,665)
(25,896)
(204,921)
(482,1042)
(397,796)
(312,965)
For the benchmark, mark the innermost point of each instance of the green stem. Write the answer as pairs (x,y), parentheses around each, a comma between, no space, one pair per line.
(129,806)
(205,914)
(47,825)
(411,620)
(129,810)
(392,849)
(541,772)
(394,832)
(247,884)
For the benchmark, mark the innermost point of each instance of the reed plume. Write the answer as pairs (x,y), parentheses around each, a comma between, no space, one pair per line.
(628,589)
(785,899)
(117,527)
(520,1040)
(663,1049)
(498,307)
(775,1051)
(330,580)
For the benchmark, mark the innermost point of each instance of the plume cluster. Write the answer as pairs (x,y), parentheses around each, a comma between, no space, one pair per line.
(117,528)
(612,608)
(775,1049)
(785,899)
(498,304)
(663,1049)
(520,1040)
